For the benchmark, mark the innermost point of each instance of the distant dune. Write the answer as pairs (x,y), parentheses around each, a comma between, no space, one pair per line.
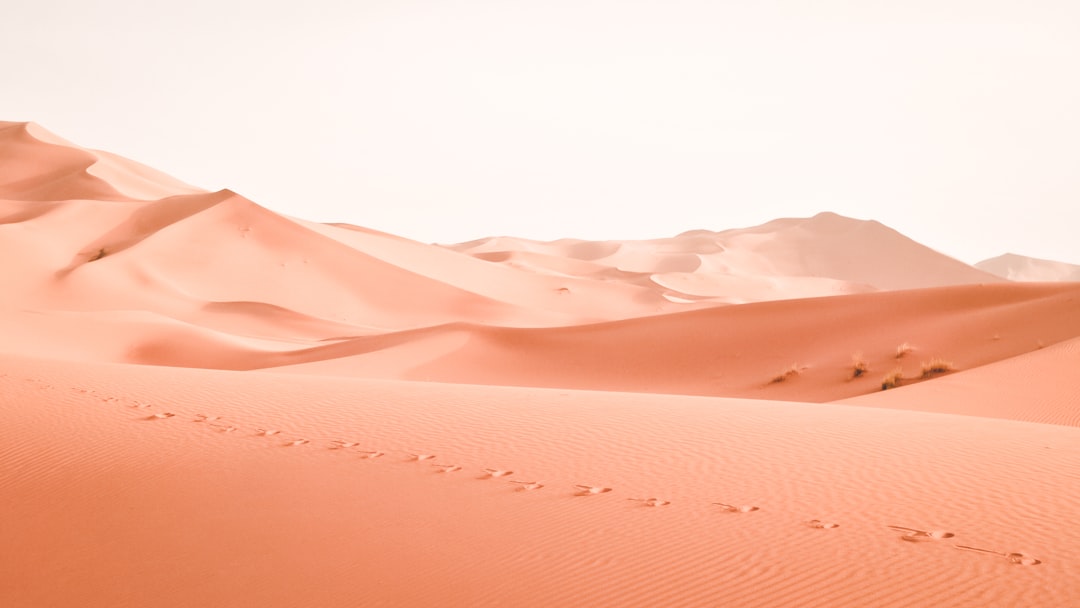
(827,254)
(1022,268)
(207,403)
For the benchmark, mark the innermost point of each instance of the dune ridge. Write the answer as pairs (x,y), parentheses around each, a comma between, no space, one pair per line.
(738,351)
(40,166)
(1023,268)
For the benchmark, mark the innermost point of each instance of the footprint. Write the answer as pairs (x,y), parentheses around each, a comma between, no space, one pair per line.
(421,457)
(527,485)
(205,418)
(1022,559)
(296,442)
(447,468)
(341,444)
(371,454)
(489,473)
(651,502)
(223,428)
(161,416)
(266,433)
(584,490)
(817,523)
(736,509)
(916,536)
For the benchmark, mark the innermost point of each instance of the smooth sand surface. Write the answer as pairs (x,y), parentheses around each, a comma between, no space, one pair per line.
(119,504)
(745,350)
(209,404)
(1022,268)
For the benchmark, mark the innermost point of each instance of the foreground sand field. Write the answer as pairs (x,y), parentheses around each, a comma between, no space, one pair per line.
(113,502)
(209,404)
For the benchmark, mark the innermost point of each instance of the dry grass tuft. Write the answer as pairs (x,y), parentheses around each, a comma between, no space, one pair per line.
(936,366)
(892,379)
(858,365)
(903,349)
(794,370)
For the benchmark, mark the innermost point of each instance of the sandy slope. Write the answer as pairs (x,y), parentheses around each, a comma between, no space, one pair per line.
(1038,386)
(40,166)
(1022,268)
(118,508)
(740,350)
(335,476)
(823,255)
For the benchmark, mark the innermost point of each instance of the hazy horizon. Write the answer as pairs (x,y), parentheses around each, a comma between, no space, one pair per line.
(952,122)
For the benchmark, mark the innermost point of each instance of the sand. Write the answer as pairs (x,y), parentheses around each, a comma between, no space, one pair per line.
(229,407)
(1023,268)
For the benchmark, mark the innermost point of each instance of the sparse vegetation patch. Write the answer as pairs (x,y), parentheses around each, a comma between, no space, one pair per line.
(936,366)
(858,365)
(892,379)
(794,370)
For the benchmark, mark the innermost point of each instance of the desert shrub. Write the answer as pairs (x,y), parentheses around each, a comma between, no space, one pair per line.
(892,379)
(936,366)
(787,373)
(858,365)
(903,349)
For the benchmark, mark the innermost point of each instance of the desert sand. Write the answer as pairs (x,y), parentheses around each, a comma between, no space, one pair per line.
(207,403)
(1023,268)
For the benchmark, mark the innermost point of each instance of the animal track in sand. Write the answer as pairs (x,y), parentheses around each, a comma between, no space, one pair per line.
(489,473)
(726,508)
(1022,559)
(906,533)
(915,535)
(651,502)
(584,490)
(525,486)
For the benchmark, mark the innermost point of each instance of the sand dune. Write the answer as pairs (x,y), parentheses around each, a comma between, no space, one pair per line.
(741,351)
(41,166)
(796,257)
(207,403)
(1022,268)
(1034,387)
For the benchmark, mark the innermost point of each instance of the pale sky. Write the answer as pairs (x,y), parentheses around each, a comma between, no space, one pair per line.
(956,122)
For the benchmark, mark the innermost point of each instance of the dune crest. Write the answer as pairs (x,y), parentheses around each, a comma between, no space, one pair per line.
(41,166)
(1022,268)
